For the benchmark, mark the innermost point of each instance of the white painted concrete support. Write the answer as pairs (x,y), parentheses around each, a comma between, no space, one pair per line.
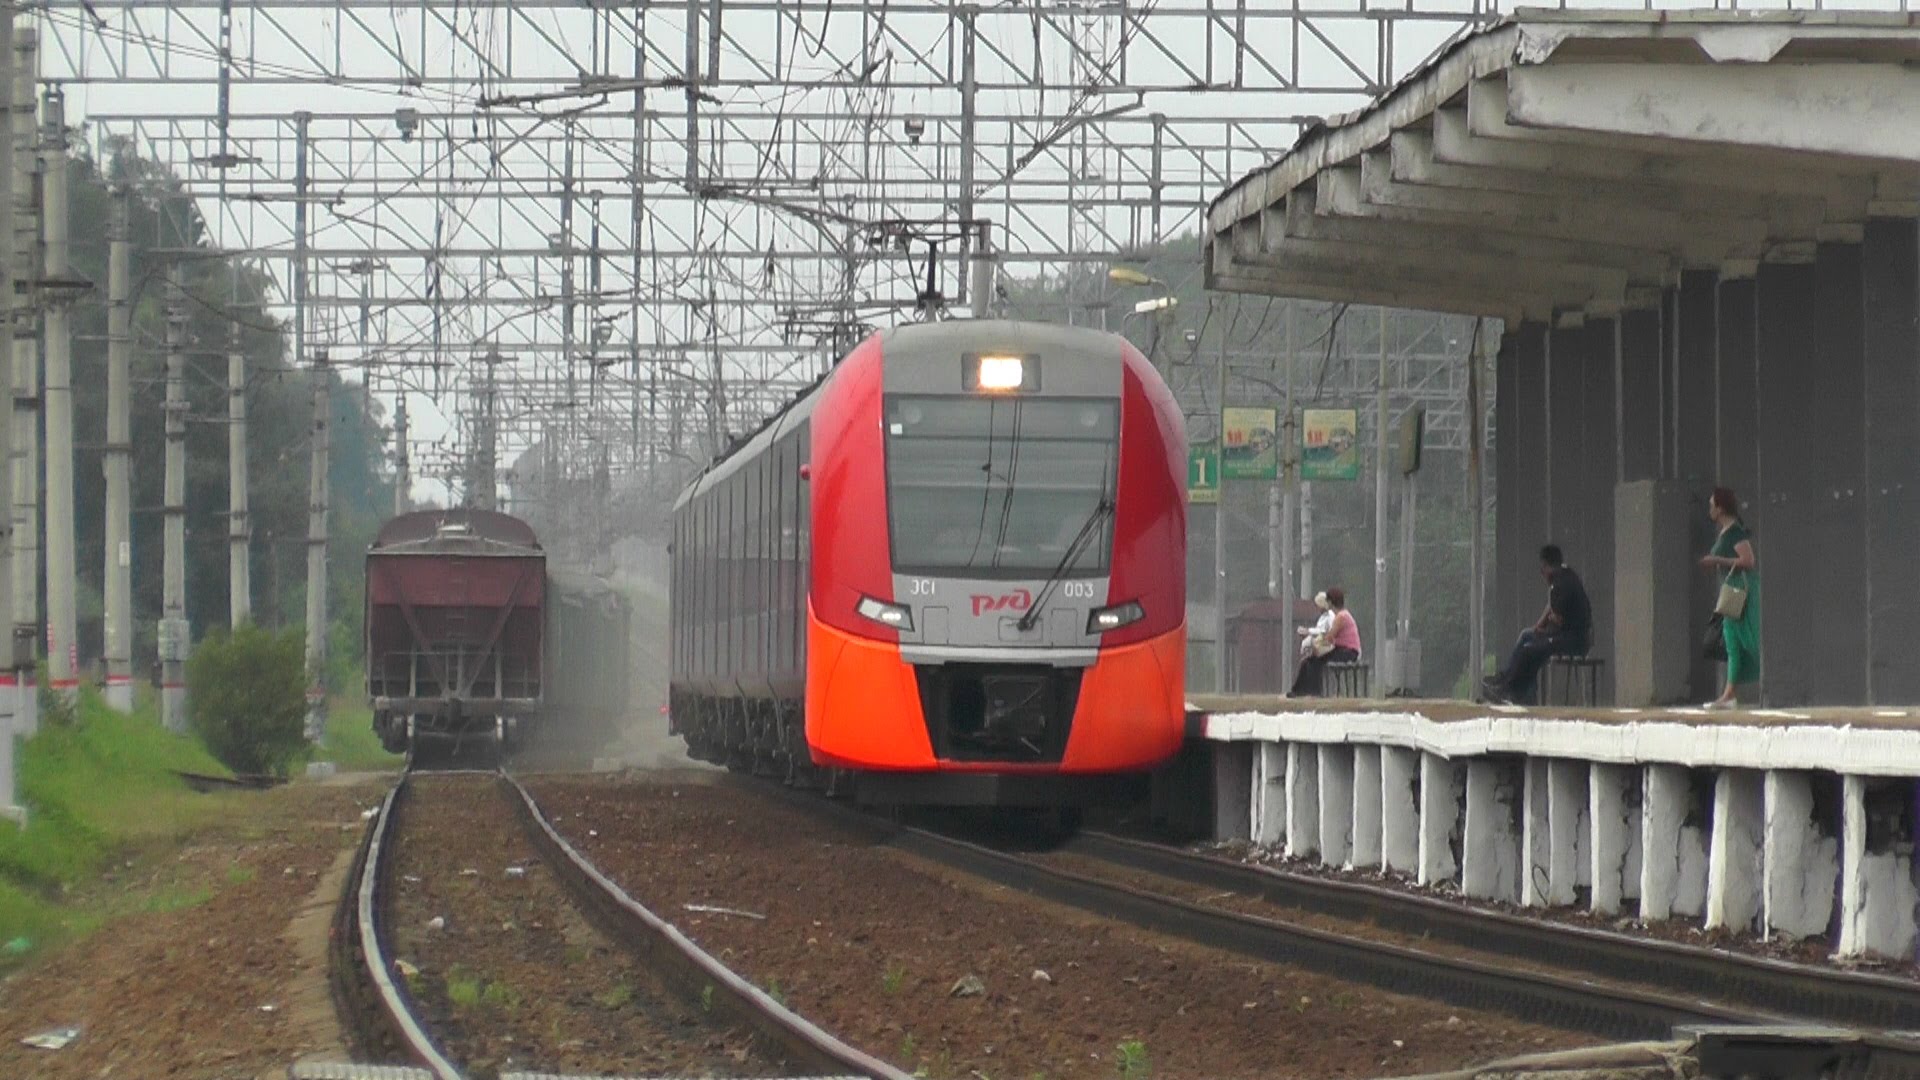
(1663,813)
(1336,804)
(1535,836)
(117,461)
(1567,829)
(1399,809)
(63,646)
(1798,857)
(1232,790)
(1613,803)
(1442,790)
(1366,807)
(1303,800)
(1733,857)
(1491,856)
(1878,898)
(25,492)
(1269,794)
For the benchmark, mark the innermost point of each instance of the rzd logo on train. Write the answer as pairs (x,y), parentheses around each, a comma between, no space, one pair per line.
(1017,600)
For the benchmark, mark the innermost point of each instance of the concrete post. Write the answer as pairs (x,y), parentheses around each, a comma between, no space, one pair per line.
(1366,806)
(63,650)
(1303,800)
(1491,847)
(118,461)
(1289,465)
(1306,538)
(1733,856)
(239,521)
(1336,804)
(1663,812)
(1399,809)
(1798,860)
(1270,795)
(9,678)
(1878,899)
(1613,797)
(1536,841)
(317,499)
(1380,520)
(174,632)
(1442,787)
(402,463)
(1567,824)
(25,171)
(1476,501)
(1220,529)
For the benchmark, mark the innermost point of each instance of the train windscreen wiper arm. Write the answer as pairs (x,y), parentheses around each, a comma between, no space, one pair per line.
(1081,541)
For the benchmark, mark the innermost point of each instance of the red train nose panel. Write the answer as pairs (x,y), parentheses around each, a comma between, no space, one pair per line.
(863,708)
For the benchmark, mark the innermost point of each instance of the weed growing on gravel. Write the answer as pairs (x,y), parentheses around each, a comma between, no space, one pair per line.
(775,992)
(462,989)
(239,875)
(894,977)
(615,998)
(908,1047)
(706,998)
(1133,1061)
(501,996)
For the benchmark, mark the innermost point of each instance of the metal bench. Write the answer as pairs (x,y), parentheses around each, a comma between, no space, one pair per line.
(1572,673)
(1348,678)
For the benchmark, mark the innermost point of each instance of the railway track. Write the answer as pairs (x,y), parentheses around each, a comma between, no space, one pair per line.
(387,1022)
(1609,985)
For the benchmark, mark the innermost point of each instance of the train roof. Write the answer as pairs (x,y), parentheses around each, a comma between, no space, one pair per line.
(464,530)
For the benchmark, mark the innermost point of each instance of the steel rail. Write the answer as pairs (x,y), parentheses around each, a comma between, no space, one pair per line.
(363,972)
(1804,992)
(681,962)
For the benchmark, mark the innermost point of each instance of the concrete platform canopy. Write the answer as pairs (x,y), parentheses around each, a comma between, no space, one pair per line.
(1700,230)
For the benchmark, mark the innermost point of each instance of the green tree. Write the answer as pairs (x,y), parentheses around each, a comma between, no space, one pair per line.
(246,697)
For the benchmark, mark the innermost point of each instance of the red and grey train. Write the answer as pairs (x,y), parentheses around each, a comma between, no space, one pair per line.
(471,634)
(954,569)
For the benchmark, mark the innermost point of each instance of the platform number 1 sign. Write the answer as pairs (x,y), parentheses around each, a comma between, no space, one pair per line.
(1203,473)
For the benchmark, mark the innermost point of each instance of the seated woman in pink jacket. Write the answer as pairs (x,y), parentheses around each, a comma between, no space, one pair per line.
(1340,644)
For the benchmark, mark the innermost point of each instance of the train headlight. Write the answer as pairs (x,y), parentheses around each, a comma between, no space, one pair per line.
(896,616)
(1002,373)
(1101,620)
(999,373)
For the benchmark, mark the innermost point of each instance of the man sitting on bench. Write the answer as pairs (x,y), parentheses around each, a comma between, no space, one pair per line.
(1564,629)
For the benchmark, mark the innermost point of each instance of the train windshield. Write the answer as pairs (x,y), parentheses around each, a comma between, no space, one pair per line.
(988,486)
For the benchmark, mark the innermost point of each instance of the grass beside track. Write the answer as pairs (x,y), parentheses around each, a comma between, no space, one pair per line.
(95,783)
(349,741)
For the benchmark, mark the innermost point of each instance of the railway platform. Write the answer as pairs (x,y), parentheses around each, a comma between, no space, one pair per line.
(1785,823)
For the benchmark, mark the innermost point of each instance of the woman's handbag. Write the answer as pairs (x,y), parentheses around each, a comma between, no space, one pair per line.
(1714,646)
(1322,644)
(1732,602)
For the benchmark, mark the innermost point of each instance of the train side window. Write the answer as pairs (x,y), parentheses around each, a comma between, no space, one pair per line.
(768,556)
(778,534)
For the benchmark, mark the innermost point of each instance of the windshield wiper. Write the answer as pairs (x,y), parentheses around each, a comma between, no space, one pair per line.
(1081,541)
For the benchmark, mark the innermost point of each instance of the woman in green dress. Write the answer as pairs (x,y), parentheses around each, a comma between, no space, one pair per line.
(1733,561)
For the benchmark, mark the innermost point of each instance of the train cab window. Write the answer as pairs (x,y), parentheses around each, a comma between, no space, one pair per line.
(992,486)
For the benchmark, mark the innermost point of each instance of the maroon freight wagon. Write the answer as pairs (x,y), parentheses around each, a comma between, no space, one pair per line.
(454,625)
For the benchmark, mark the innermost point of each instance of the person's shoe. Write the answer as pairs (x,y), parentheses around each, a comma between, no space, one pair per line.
(1717,705)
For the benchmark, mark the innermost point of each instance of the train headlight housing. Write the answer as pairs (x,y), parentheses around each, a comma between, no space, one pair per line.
(896,616)
(1113,617)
